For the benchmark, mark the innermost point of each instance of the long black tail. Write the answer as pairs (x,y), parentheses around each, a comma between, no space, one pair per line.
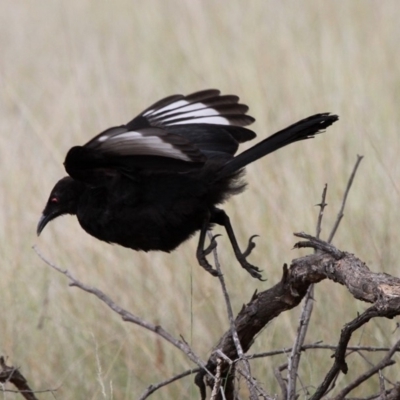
(304,129)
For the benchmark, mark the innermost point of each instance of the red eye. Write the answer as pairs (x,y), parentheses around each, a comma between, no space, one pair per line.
(54,200)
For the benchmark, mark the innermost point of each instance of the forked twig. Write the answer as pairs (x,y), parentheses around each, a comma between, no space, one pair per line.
(294,359)
(340,354)
(385,362)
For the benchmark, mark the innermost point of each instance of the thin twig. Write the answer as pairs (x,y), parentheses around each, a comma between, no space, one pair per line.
(322,206)
(305,317)
(257,387)
(382,385)
(217,382)
(126,315)
(316,347)
(340,364)
(371,364)
(281,381)
(228,304)
(294,359)
(385,362)
(340,214)
(248,378)
(253,394)
(152,388)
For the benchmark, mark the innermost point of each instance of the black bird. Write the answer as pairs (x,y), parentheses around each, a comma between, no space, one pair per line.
(154,182)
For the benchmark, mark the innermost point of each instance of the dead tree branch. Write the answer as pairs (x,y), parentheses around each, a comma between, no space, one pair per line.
(381,289)
(127,316)
(294,359)
(390,309)
(14,376)
(228,379)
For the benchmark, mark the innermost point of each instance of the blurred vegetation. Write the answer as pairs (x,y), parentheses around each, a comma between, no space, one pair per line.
(71,69)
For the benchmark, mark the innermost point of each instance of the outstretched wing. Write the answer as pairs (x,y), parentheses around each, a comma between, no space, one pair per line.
(205,107)
(177,133)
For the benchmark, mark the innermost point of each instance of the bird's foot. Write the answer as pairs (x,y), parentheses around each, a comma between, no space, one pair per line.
(202,253)
(250,246)
(254,271)
(211,246)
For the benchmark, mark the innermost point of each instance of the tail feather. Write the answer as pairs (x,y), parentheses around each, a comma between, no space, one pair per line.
(304,129)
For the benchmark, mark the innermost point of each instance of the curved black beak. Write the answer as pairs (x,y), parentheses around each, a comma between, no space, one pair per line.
(44,219)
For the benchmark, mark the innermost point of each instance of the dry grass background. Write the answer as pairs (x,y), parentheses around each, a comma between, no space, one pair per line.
(71,69)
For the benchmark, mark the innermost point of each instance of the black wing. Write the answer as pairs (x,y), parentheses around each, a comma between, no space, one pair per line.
(178,133)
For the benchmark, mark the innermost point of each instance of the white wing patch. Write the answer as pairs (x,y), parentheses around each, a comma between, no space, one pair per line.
(204,120)
(152,132)
(172,106)
(182,112)
(137,143)
(201,115)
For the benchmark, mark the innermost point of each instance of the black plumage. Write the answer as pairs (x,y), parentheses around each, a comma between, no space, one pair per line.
(154,182)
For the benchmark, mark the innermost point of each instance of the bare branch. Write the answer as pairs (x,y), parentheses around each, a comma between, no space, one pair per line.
(382,385)
(340,214)
(340,363)
(317,346)
(317,244)
(253,394)
(281,382)
(338,266)
(371,364)
(322,206)
(217,382)
(127,316)
(152,388)
(294,359)
(228,305)
(386,361)
(253,382)
(249,378)
(347,270)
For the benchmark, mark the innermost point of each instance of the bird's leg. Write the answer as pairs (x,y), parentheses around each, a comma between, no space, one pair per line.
(221,218)
(202,252)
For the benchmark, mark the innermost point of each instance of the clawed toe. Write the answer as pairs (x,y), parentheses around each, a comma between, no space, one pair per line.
(202,253)
(201,258)
(250,246)
(211,246)
(254,271)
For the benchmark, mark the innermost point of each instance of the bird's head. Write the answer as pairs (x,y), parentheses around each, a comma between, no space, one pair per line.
(63,199)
